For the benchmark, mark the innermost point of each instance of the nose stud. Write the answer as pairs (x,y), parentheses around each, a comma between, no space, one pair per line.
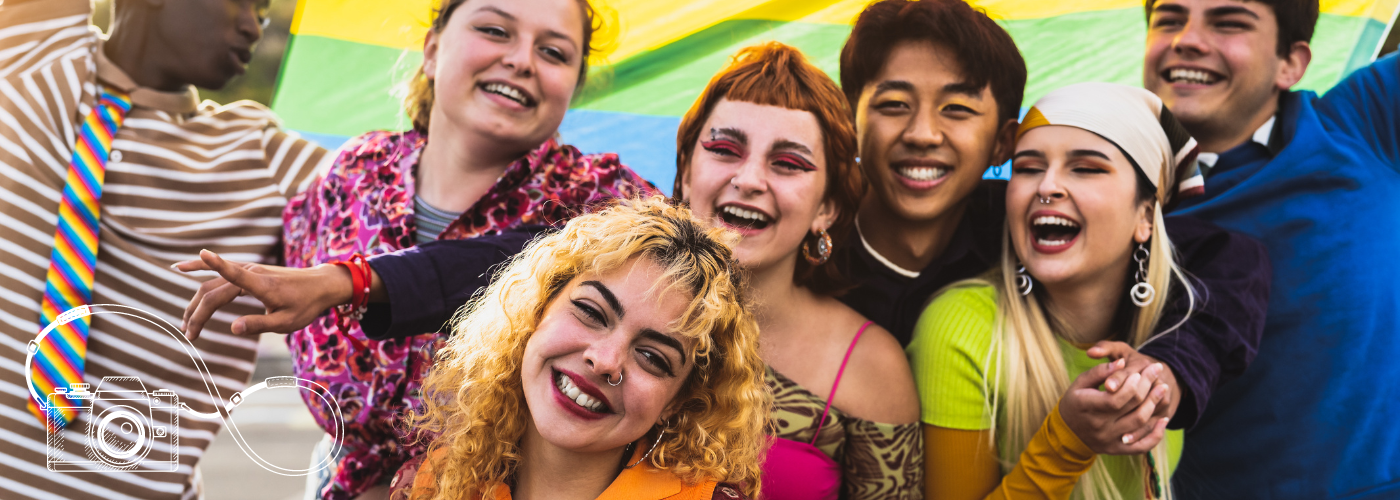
(608,378)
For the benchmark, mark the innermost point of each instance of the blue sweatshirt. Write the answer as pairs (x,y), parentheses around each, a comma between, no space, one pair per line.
(1318,413)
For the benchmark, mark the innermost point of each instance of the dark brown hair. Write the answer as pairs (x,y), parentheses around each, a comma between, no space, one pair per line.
(1296,20)
(774,74)
(418,102)
(986,52)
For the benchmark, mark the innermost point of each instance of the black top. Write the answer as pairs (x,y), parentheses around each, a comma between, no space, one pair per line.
(895,301)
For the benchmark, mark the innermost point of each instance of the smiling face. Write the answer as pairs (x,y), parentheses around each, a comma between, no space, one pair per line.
(761,171)
(1093,220)
(597,327)
(1215,64)
(926,137)
(506,70)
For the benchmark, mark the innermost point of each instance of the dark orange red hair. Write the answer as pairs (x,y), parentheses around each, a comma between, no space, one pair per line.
(774,74)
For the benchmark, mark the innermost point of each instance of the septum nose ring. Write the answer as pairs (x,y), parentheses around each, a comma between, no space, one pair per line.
(1045,201)
(609,379)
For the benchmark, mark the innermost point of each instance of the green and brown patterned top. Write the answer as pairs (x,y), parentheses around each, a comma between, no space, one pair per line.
(884,461)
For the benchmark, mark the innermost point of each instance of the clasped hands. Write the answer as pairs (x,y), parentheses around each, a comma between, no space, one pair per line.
(1121,407)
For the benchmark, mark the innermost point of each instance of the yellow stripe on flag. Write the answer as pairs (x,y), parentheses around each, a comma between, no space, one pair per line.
(646,25)
(398,24)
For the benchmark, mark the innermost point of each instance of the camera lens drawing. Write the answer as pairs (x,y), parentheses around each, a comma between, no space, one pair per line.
(137,430)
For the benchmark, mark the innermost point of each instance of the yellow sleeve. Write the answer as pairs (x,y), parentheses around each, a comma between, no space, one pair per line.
(959,464)
(1049,468)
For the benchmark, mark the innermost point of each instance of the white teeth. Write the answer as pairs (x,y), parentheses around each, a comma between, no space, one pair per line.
(923,173)
(567,387)
(505,90)
(1190,76)
(745,214)
(1050,243)
(1050,220)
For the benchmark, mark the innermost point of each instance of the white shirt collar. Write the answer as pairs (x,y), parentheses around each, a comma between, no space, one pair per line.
(1261,136)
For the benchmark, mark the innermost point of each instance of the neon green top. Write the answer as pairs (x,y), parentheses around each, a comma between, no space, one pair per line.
(950,356)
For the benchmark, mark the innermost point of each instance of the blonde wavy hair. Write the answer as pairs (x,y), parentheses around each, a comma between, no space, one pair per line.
(1030,377)
(474,401)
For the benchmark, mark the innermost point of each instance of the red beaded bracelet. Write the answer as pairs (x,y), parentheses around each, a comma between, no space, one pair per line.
(360,283)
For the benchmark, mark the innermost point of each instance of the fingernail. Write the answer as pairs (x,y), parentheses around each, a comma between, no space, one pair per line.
(1127,439)
(1121,362)
(1112,385)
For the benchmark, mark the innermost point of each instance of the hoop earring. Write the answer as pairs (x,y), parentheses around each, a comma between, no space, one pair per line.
(659,433)
(619,379)
(1024,283)
(1142,293)
(823,249)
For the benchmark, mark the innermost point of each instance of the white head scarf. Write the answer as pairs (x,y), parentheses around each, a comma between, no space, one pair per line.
(1137,122)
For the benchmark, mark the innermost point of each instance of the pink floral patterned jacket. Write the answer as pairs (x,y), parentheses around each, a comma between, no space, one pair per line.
(364,204)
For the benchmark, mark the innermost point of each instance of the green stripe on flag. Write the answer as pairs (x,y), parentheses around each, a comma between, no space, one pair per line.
(322,77)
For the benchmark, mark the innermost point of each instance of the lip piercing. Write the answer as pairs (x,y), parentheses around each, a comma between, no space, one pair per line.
(609,379)
(1045,201)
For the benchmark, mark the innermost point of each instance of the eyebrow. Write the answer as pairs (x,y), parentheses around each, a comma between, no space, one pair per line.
(1213,12)
(965,88)
(607,296)
(1171,8)
(1088,152)
(1229,10)
(1078,153)
(547,33)
(497,11)
(889,85)
(784,144)
(665,340)
(735,133)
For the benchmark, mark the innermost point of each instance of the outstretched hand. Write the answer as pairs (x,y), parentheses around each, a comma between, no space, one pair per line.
(1119,422)
(292,298)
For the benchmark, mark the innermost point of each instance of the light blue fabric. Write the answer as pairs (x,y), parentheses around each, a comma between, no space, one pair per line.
(1317,415)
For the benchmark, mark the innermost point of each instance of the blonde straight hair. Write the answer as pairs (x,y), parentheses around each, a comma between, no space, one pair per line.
(1031,374)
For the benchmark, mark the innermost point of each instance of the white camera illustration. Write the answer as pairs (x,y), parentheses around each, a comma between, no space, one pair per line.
(126,427)
(122,426)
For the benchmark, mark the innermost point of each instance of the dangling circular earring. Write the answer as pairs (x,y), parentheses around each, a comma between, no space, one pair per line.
(1023,281)
(823,248)
(659,433)
(1142,293)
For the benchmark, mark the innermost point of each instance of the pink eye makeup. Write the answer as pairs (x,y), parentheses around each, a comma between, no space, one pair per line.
(793,161)
(723,147)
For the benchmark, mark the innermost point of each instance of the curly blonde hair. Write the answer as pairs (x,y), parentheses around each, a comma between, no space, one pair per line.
(474,400)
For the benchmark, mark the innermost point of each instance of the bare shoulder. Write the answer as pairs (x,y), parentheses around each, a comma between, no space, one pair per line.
(877,384)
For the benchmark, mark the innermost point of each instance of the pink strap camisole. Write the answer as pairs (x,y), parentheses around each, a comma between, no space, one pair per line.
(795,470)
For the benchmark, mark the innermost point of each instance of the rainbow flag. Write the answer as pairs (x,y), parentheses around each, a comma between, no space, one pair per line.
(345,58)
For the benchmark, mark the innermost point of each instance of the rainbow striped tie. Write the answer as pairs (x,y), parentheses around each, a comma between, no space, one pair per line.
(61,355)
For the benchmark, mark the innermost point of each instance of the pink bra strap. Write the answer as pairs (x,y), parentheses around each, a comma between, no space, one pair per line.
(837,382)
